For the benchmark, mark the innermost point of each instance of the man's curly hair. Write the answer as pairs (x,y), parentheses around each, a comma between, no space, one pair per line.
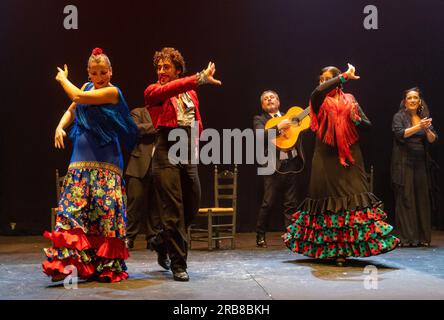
(173,55)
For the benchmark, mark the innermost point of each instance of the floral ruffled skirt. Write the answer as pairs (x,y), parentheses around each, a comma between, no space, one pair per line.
(323,229)
(90,227)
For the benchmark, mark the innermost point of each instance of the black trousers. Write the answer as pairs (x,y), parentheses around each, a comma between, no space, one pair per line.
(178,196)
(142,209)
(280,189)
(413,207)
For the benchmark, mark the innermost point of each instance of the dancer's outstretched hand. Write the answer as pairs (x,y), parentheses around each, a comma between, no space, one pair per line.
(351,72)
(209,72)
(58,138)
(62,74)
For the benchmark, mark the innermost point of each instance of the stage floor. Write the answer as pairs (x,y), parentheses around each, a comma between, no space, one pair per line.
(247,273)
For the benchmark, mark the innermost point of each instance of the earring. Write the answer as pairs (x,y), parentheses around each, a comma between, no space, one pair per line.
(420,108)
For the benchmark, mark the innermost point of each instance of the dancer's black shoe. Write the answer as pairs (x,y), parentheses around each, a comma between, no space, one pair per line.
(162,255)
(260,240)
(180,275)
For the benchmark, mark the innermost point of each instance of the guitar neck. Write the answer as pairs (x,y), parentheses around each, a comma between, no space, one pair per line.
(302,115)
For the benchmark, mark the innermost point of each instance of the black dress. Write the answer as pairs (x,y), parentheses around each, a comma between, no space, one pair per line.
(410,181)
(340,217)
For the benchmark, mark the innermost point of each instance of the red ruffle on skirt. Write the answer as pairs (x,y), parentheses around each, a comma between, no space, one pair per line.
(110,248)
(113,248)
(56,268)
(102,248)
(71,239)
(110,276)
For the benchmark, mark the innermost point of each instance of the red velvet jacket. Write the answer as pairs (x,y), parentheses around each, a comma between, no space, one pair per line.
(161,103)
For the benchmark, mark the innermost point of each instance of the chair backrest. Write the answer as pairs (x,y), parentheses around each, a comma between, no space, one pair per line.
(225,180)
(59,184)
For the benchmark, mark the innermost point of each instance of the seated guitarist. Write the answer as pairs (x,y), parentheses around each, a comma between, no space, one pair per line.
(283,186)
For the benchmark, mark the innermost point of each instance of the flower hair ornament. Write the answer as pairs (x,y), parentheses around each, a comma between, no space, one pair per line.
(97,51)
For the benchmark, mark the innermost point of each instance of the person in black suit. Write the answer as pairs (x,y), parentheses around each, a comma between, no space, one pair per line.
(141,200)
(283,184)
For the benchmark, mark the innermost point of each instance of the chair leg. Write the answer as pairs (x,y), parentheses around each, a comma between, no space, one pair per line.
(53,218)
(189,237)
(233,243)
(233,233)
(210,231)
(216,233)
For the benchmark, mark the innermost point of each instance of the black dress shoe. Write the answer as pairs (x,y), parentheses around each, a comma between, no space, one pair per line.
(163,261)
(180,275)
(340,262)
(260,241)
(162,256)
(405,244)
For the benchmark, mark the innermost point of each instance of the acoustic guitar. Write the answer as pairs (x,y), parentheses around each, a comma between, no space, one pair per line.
(287,138)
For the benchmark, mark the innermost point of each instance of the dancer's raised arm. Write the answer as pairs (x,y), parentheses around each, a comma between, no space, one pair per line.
(101,95)
(329,79)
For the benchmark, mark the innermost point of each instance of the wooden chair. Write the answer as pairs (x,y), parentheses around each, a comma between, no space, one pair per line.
(59,182)
(220,222)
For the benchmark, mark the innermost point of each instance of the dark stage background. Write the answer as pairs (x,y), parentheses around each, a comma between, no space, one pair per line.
(256,45)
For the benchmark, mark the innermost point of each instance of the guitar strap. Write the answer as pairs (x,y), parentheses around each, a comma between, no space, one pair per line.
(292,171)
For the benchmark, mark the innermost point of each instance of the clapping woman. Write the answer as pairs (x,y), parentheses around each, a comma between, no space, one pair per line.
(413,132)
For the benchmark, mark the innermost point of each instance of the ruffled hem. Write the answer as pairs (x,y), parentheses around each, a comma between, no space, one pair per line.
(339,219)
(59,269)
(371,247)
(360,233)
(110,248)
(111,276)
(90,256)
(348,203)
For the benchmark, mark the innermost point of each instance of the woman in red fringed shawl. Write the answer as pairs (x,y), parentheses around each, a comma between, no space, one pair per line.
(340,218)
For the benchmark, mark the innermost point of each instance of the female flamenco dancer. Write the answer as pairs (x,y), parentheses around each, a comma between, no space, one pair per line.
(91,220)
(340,218)
(413,132)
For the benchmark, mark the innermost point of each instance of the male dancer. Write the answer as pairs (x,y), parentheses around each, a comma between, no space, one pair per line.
(172,103)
